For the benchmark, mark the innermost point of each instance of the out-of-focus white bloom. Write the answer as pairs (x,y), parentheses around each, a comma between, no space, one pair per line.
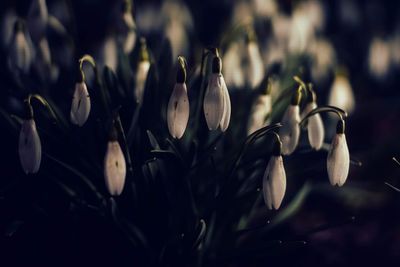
(281,27)
(341,94)
(233,72)
(109,53)
(29,148)
(178,111)
(323,58)
(265,8)
(37,19)
(290,130)
(379,58)
(7,27)
(338,162)
(315,126)
(255,68)
(142,71)
(301,31)
(242,13)
(274,53)
(125,25)
(274,181)
(20,50)
(394,49)
(114,168)
(217,104)
(260,110)
(315,10)
(80,107)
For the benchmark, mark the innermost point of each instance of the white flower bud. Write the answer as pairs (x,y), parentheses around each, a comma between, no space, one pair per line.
(261,108)
(315,127)
(233,73)
(80,107)
(29,148)
(274,182)
(20,50)
(341,94)
(255,70)
(338,162)
(214,101)
(178,111)
(290,130)
(114,168)
(140,78)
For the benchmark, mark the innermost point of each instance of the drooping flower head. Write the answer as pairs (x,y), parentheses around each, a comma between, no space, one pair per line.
(178,105)
(217,103)
(80,107)
(260,110)
(274,181)
(29,147)
(114,165)
(315,126)
(142,71)
(20,54)
(338,162)
(341,94)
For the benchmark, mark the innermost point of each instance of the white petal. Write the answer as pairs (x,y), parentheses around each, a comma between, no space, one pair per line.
(256,66)
(315,129)
(233,72)
(80,107)
(290,130)
(141,77)
(114,168)
(129,41)
(29,148)
(341,94)
(261,108)
(226,116)
(274,183)
(178,111)
(214,102)
(20,53)
(338,161)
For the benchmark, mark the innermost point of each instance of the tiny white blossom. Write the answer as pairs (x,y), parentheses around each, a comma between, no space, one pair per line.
(217,104)
(379,59)
(80,107)
(259,111)
(178,111)
(315,126)
(114,168)
(338,162)
(341,94)
(290,130)
(274,180)
(29,148)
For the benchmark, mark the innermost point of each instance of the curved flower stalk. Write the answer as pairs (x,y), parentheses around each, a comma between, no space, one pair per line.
(290,131)
(255,68)
(341,94)
(142,71)
(315,126)
(114,165)
(178,105)
(338,162)
(80,107)
(20,54)
(260,110)
(217,103)
(274,181)
(29,146)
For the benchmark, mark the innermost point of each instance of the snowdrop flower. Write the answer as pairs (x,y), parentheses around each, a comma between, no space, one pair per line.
(114,166)
(341,94)
(290,130)
(217,103)
(20,49)
(178,105)
(37,19)
(274,181)
(126,26)
(379,59)
(29,147)
(109,53)
(80,107)
(338,161)
(260,110)
(142,72)
(315,127)
(255,68)
(265,8)
(301,31)
(233,72)
(323,58)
